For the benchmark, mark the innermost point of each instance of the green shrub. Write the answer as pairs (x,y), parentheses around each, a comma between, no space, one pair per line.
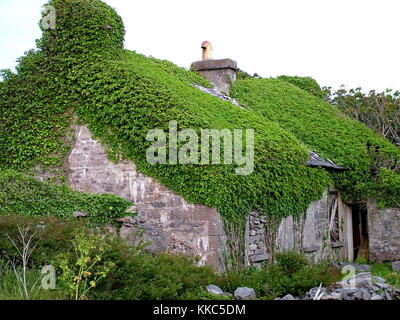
(390,185)
(143,276)
(384,270)
(291,262)
(202,294)
(51,236)
(393,279)
(137,275)
(292,275)
(10,287)
(84,28)
(310,277)
(20,194)
(83,267)
(379,111)
(268,282)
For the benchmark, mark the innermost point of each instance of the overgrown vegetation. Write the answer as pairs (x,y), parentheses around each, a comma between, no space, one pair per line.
(307,84)
(122,95)
(380,111)
(290,274)
(241,74)
(135,274)
(80,69)
(373,162)
(84,266)
(24,195)
(384,270)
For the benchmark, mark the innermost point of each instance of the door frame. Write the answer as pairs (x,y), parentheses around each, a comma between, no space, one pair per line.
(346,229)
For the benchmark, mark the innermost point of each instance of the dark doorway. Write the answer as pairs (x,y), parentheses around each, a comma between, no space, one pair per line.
(360,231)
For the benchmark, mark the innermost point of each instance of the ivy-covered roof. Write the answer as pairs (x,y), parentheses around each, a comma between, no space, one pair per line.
(80,68)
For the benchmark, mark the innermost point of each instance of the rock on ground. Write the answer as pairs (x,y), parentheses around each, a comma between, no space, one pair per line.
(362,286)
(396,266)
(244,293)
(214,290)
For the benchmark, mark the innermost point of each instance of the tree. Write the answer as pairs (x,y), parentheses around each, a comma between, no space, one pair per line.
(380,111)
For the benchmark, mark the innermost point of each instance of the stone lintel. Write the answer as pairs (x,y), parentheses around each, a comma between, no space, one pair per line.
(337,244)
(259,258)
(214,65)
(312,248)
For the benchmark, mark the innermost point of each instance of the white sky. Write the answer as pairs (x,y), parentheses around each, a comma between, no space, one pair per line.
(351,42)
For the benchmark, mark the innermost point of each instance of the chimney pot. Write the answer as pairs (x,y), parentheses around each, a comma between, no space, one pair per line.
(219,72)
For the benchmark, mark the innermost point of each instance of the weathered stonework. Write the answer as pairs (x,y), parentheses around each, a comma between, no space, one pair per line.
(256,251)
(310,233)
(384,233)
(219,72)
(171,224)
(168,220)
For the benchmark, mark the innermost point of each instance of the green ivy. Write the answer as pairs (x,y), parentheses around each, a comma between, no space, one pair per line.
(20,194)
(34,115)
(390,182)
(305,83)
(80,68)
(324,129)
(131,96)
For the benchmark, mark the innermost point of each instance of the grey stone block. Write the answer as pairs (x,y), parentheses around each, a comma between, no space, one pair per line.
(363,279)
(337,244)
(366,295)
(253,247)
(362,267)
(213,289)
(260,257)
(219,72)
(259,251)
(396,266)
(312,248)
(244,293)
(347,291)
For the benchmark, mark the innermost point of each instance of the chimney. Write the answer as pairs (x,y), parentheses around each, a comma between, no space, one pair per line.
(219,72)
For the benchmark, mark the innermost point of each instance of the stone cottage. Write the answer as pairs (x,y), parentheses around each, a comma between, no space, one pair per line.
(330,228)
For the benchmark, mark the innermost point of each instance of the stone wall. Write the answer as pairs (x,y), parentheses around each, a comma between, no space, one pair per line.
(173,225)
(256,251)
(384,233)
(169,221)
(219,72)
(308,233)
